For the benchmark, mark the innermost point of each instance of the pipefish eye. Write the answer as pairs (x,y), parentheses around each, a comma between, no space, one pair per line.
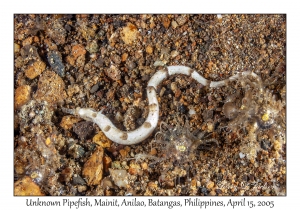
(265,118)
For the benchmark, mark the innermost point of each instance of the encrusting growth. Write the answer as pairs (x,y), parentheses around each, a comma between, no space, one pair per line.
(146,129)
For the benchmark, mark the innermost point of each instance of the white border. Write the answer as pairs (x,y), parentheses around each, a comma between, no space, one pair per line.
(8,8)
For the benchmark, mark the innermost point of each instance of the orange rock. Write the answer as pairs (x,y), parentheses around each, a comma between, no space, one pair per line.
(102,140)
(152,24)
(106,163)
(210,185)
(93,168)
(212,193)
(68,121)
(17,48)
(124,56)
(51,88)
(113,72)
(144,166)
(77,51)
(108,192)
(50,44)
(19,164)
(177,93)
(277,145)
(134,169)
(166,22)
(127,148)
(26,187)
(70,60)
(152,185)
(48,141)
(149,49)
(27,41)
(153,151)
(35,69)
(110,95)
(129,33)
(194,183)
(22,95)
(123,153)
(36,39)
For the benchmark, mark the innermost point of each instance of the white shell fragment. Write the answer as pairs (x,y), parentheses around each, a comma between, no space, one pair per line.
(120,177)
(242,155)
(145,130)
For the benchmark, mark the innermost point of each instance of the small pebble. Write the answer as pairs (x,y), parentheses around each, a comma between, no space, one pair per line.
(166,22)
(106,163)
(129,34)
(92,47)
(158,63)
(16,48)
(182,109)
(210,185)
(55,61)
(174,24)
(68,121)
(22,95)
(181,20)
(174,86)
(123,153)
(35,69)
(26,187)
(242,155)
(130,64)
(116,59)
(192,112)
(120,177)
(102,140)
(75,150)
(82,188)
(114,73)
(78,180)
(94,88)
(124,57)
(84,129)
(51,88)
(93,167)
(149,49)
(174,53)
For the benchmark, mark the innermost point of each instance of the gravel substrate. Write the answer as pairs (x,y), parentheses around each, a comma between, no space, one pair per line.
(106,61)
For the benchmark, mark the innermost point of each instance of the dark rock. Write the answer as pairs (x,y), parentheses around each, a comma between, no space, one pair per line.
(265,144)
(29,53)
(183,109)
(208,114)
(75,150)
(55,61)
(218,191)
(94,88)
(130,64)
(203,191)
(66,174)
(78,180)
(99,62)
(68,27)
(84,130)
